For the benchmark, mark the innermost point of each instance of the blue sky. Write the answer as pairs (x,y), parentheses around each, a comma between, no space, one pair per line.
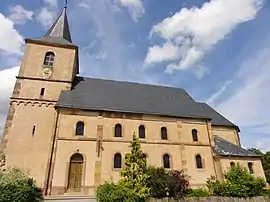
(217,50)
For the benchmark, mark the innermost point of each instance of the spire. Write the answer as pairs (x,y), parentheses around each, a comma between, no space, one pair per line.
(60,29)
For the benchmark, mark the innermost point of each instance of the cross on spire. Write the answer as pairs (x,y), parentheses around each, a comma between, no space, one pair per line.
(66,3)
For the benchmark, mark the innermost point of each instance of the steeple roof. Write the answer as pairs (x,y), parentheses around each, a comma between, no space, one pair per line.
(59,32)
(60,28)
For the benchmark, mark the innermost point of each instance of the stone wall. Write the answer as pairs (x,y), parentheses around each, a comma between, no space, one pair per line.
(214,199)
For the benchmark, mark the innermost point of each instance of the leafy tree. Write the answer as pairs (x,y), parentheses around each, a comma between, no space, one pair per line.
(239,183)
(265,162)
(165,183)
(197,193)
(134,175)
(16,186)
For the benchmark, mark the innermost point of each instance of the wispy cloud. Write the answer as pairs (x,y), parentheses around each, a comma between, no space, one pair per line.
(196,30)
(47,14)
(135,7)
(19,15)
(245,99)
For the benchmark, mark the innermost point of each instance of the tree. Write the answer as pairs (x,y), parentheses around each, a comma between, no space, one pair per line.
(16,186)
(134,175)
(239,183)
(265,162)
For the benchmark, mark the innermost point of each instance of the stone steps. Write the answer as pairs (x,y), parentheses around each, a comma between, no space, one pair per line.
(70,199)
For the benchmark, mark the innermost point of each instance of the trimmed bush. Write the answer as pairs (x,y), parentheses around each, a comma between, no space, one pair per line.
(197,193)
(239,183)
(110,192)
(16,186)
(164,183)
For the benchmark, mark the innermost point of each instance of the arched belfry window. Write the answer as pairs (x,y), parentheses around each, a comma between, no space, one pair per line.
(164,135)
(75,171)
(199,163)
(250,167)
(49,59)
(141,131)
(194,135)
(118,130)
(117,161)
(166,161)
(80,128)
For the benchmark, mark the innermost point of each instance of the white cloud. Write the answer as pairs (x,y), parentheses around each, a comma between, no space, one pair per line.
(10,40)
(19,15)
(197,30)
(135,7)
(7,78)
(166,52)
(247,100)
(51,3)
(47,14)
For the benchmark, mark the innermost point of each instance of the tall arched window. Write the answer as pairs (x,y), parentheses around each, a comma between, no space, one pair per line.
(232,164)
(80,128)
(166,161)
(164,135)
(118,130)
(75,171)
(141,131)
(194,135)
(199,164)
(49,59)
(250,167)
(117,161)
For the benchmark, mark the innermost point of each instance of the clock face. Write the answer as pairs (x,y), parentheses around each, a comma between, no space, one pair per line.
(47,72)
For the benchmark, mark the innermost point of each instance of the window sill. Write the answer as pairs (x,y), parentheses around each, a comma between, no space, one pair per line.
(47,66)
(117,169)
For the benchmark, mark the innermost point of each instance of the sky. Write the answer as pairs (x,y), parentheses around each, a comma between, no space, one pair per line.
(217,50)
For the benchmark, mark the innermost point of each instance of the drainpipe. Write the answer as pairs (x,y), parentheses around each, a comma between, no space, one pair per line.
(47,185)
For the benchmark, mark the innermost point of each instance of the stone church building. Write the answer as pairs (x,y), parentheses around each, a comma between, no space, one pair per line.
(72,132)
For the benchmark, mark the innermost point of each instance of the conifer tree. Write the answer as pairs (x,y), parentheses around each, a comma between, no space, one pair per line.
(134,174)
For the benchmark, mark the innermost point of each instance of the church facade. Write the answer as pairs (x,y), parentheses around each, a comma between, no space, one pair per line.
(72,132)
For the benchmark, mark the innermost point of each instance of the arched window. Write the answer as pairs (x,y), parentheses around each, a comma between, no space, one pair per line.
(195,135)
(232,164)
(164,135)
(166,161)
(75,171)
(141,131)
(250,167)
(80,128)
(118,130)
(49,59)
(117,161)
(199,164)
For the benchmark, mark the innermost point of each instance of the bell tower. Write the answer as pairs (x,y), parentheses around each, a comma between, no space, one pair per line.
(49,66)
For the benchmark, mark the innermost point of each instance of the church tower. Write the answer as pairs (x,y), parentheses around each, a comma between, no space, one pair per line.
(49,66)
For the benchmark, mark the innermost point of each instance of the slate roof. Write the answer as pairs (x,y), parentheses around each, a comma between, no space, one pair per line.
(59,32)
(226,148)
(118,96)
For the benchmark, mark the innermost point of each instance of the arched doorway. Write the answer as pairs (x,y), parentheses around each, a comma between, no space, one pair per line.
(75,172)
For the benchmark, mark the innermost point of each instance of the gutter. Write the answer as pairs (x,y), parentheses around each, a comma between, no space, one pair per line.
(47,180)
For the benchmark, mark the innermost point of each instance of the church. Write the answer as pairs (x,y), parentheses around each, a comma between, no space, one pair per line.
(72,132)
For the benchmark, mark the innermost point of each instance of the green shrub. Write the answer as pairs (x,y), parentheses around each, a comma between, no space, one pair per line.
(197,193)
(110,192)
(164,183)
(238,183)
(16,186)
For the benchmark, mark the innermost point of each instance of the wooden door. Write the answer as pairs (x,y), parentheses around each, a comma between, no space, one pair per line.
(75,173)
